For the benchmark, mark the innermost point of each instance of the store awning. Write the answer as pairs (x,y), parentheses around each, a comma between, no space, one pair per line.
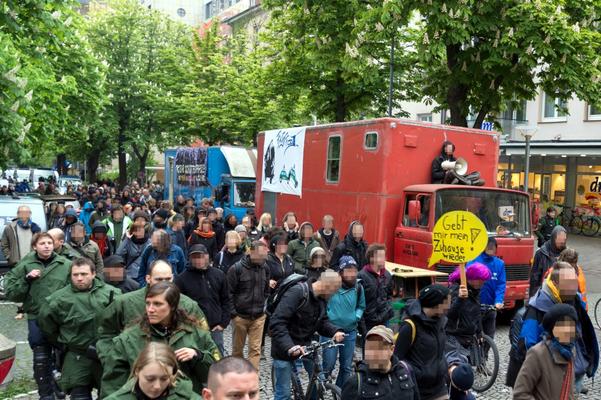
(553,148)
(242,162)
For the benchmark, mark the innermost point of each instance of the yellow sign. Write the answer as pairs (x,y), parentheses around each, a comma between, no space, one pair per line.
(458,237)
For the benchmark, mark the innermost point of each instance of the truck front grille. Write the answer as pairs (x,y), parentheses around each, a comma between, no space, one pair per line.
(513,272)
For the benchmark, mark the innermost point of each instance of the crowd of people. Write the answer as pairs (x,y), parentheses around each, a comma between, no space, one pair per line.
(132,295)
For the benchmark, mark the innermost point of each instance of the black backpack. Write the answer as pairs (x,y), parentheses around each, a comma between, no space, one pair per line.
(287,283)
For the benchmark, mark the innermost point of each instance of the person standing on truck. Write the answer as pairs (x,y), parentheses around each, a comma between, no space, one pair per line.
(377,282)
(328,236)
(300,249)
(16,238)
(546,225)
(422,339)
(493,291)
(439,174)
(547,256)
(353,245)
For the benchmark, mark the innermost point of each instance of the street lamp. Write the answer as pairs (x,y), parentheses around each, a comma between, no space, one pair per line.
(527,132)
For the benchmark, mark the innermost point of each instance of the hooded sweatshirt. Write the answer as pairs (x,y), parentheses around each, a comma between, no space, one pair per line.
(67,227)
(350,247)
(493,291)
(544,258)
(85,215)
(438,173)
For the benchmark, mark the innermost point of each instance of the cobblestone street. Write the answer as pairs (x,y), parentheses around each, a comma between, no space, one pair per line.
(17,330)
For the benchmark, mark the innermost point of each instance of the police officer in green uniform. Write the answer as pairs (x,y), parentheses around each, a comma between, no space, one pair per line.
(130,307)
(38,275)
(69,320)
(163,322)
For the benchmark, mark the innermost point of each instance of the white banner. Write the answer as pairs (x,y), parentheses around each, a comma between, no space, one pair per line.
(283,151)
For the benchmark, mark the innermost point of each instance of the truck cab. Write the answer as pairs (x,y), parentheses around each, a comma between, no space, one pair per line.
(235,195)
(505,213)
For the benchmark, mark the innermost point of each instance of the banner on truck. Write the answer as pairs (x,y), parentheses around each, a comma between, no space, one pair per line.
(283,161)
(191,166)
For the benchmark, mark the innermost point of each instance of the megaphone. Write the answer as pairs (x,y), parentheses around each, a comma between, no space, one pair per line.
(459,166)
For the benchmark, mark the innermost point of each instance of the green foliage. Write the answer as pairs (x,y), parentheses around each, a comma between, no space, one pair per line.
(18,387)
(480,55)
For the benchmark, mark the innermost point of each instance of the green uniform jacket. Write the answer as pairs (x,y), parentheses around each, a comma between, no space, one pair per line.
(33,293)
(300,253)
(183,390)
(118,359)
(68,252)
(70,319)
(71,316)
(128,309)
(89,249)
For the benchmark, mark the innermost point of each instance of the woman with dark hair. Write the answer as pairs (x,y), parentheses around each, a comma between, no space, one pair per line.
(205,235)
(279,262)
(230,222)
(194,222)
(156,375)
(163,322)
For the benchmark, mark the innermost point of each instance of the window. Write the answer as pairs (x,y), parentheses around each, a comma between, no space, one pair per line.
(333,159)
(424,117)
(181,12)
(424,217)
(594,112)
(209,10)
(553,108)
(371,141)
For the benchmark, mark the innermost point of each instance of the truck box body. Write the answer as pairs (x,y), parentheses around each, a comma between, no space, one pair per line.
(378,160)
(230,175)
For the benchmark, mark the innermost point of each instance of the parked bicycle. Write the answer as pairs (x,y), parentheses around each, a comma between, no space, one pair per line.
(484,358)
(590,225)
(319,387)
(598,313)
(570,220)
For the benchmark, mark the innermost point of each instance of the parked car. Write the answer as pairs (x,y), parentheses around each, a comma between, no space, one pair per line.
(66,180)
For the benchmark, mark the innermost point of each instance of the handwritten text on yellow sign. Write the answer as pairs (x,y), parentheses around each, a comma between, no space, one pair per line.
(458,237)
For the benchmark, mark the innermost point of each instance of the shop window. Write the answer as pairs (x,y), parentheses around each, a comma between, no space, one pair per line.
(588,190)
(333,159)
(594,113)
(554,108)
(371,141)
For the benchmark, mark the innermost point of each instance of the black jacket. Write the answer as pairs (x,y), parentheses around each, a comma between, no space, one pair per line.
(350,247)
(378,296)
(279,270)
(209,242)
(438,173)
(209,289)
(128,285)
(219,235)
(313,274)
(224,259)
(544,258)
(396,384)
(425,353)
(545,227)
(249,288)
(298,315)
(464,317)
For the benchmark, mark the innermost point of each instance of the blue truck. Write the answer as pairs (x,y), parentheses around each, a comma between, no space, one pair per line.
(225,173)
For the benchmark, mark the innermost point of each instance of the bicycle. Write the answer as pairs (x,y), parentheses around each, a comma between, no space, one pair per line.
(570,220)
(486,369)
(319,385)
(590,225)
(598,313)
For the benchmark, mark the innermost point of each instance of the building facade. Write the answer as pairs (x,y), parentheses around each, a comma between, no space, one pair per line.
(190,12)
(565,148)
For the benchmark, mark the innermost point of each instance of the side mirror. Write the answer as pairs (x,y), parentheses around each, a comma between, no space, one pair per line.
(415,211)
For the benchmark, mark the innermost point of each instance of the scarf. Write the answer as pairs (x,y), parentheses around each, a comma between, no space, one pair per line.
(102,245)
(552,290)
(380,275)
(567,352)
(24,225)
(206,235)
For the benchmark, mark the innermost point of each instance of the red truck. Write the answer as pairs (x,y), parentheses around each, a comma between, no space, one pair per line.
(379,172)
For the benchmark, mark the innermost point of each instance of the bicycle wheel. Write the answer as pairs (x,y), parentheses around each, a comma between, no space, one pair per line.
(331,392)
(598,313)
(576,224)
(590,227)
(486,368)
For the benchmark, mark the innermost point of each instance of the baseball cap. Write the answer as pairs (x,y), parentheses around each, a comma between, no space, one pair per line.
(383,332)
(197,248)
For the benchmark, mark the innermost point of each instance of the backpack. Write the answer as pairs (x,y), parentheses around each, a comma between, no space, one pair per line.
(287,283)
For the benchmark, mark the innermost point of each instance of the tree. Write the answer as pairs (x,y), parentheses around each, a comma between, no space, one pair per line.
(51,85)
(316,48)
(139,45)
(477,56)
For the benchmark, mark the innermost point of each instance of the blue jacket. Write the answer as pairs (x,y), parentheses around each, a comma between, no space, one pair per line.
(587,347)
(84,216)
(493,291)
(346,307)
(176,258)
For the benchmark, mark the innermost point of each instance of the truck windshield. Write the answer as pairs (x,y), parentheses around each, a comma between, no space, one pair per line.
(244,194)
(503,213)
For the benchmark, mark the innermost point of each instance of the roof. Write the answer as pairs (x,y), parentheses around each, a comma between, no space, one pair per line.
(242,161)
(431,188)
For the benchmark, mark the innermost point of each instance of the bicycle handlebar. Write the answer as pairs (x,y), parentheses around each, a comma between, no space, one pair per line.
(314,346)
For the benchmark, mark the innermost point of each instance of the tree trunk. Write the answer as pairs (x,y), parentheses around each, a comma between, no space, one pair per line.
(340,100)
(121,154)
(61,160)
(457,92)
(92,166)
(142,159)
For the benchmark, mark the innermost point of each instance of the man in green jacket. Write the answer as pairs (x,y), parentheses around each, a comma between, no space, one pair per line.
(69,320)
(129,308)
(38,275)
(83,246)
(60,247)
(299,249)
(118,223)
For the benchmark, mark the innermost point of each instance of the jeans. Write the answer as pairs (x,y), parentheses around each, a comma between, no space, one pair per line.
(345,355)
(283,376)
(217,337)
